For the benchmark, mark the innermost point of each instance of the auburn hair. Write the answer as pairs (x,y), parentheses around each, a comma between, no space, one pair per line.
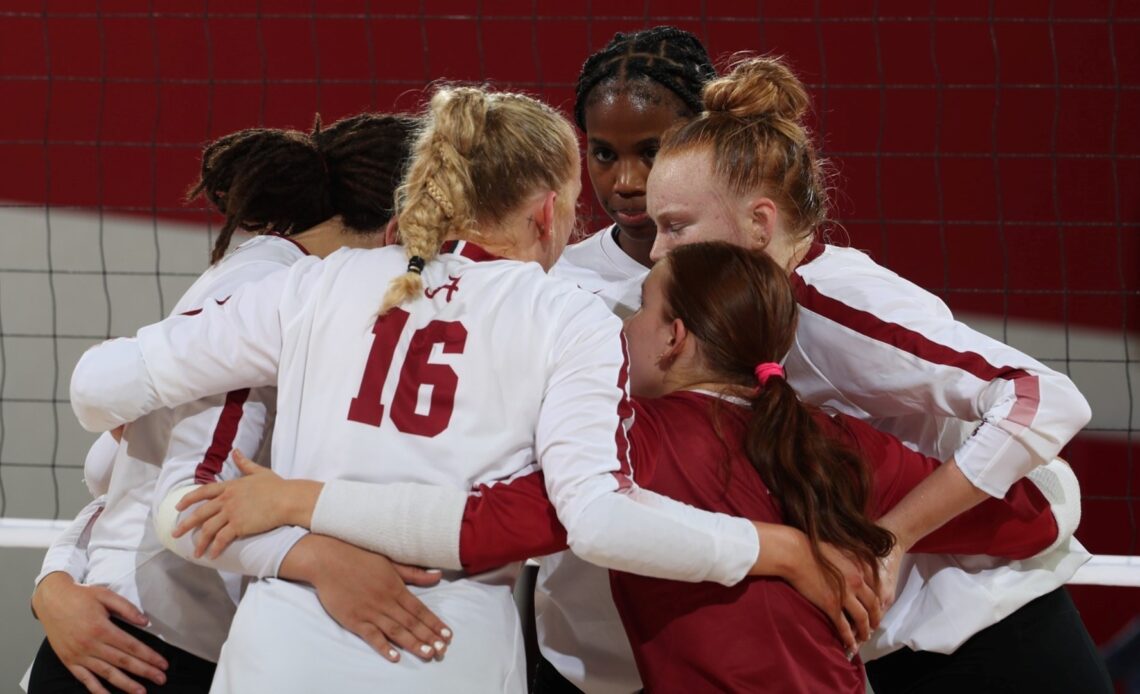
(739,304)
(753,124)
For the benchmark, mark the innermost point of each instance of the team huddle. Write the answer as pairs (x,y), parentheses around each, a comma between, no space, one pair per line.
(745,459)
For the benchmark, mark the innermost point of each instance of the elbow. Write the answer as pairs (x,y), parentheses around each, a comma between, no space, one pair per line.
(86,397)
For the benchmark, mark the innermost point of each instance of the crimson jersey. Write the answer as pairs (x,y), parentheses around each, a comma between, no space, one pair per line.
(779,641)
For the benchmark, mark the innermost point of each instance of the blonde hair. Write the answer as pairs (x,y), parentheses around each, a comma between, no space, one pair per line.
(753,121)
(478,157)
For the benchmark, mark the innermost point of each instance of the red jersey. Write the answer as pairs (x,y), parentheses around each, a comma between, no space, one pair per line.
(761,635)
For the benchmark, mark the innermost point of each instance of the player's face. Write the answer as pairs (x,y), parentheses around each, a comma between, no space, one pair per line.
(649,335)
(688,205)
(623,133)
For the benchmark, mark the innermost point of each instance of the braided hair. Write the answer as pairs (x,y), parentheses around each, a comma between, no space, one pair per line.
(266,180)
(668,56)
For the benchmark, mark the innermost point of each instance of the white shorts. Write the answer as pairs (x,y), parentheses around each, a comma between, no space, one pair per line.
(282,640)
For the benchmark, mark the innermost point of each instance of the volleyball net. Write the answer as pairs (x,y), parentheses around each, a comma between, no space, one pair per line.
(984,152)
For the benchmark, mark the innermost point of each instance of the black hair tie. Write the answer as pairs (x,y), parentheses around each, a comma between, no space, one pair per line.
(416,264)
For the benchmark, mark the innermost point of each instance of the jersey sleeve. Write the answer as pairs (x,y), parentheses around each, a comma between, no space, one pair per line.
(204,434)
(1019,525)
(882,344)
(583,447)
(69,551)
(99,463)
(226,346)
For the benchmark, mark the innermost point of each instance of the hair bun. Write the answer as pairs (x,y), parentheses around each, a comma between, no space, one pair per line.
(461,113)
(757,88)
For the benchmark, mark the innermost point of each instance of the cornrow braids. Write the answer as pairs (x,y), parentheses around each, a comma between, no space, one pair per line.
(671,57)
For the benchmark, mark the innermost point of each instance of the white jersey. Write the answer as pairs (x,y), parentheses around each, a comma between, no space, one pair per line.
(874,346)
(578,628)
(598,265)
(189,606)
(494,368)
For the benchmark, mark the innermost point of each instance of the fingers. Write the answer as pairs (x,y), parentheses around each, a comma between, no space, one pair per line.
(417,576)
(404,637)
(245,465)
(222,540)
(843,627)
(869,599)
(201,493)
(375,638)
(207,532)
(122,662)
(121,607)
(858,616)
(88,680)
(421,614)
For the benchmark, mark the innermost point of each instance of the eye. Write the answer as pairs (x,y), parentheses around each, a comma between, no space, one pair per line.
(603,155)
(650,153)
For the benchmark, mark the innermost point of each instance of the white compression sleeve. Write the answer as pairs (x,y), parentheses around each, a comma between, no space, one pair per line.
(410,523)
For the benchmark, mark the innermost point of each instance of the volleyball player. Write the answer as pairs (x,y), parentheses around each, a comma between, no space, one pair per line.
(874,346)
(627,95)
(523,369)
(709,313)
(302,194)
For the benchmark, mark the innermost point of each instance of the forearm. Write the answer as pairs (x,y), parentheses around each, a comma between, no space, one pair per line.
(936,500)
(409,523)
(68,554)
(259,556)
(648,534)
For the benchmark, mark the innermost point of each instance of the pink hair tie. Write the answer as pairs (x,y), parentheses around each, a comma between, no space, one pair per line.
(767,370)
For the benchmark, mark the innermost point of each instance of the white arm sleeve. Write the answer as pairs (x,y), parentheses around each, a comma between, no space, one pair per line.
(583,449)
(99,463)
(408,522)
(893,350)
(184,358)
(69,551)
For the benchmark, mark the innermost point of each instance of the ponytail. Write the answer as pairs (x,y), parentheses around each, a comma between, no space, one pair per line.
(739,304)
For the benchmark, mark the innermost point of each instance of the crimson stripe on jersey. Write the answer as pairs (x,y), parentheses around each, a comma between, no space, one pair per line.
(292,241)
(224,434)
(625,413)
(1026,387)
(468,250)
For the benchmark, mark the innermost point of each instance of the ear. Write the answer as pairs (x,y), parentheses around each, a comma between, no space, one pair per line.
(679,342)
(392,232)
(763,216)
(544,215)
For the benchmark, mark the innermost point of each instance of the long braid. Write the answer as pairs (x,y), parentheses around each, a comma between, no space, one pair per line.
(671,57)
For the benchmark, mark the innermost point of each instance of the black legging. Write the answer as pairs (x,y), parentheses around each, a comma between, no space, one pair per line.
(1041,648)
(187,674)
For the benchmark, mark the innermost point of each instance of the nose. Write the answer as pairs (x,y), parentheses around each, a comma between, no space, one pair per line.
(630,181)
(661,247)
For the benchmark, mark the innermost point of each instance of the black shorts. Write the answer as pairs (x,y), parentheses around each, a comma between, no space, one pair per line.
(1041,648)
(186,674)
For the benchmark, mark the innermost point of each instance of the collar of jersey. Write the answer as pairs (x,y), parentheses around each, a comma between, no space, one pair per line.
(468,250)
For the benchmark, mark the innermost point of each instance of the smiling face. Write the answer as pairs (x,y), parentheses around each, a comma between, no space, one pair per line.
(688,204)
(623,133)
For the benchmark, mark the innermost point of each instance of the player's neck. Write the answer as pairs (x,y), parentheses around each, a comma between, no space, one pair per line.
(331,235)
